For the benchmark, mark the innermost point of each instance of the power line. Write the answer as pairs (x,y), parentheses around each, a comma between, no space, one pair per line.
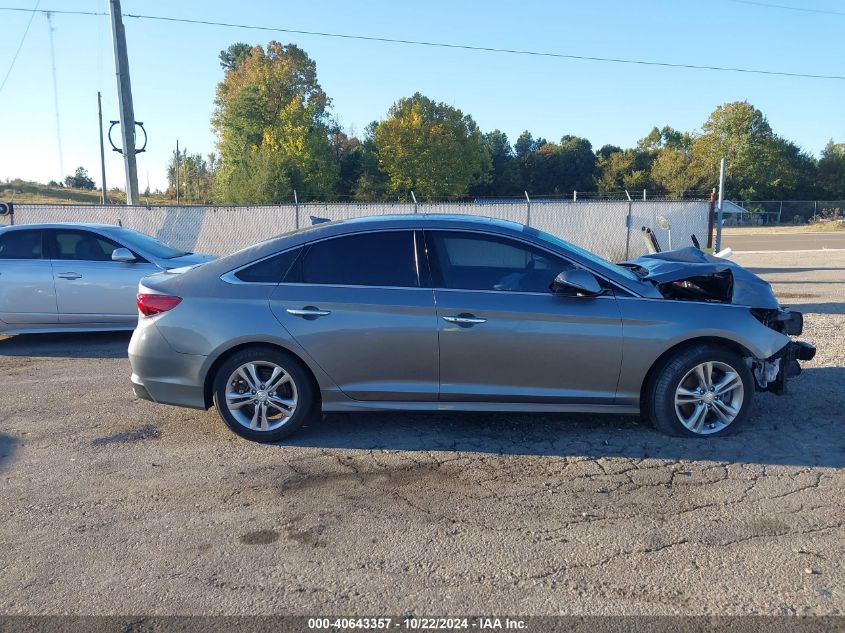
(468,47)
(20,45)
(488,49)
(54,11)
(788,7)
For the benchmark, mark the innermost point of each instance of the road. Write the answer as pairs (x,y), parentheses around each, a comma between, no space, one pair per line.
(784,241)
(113,505)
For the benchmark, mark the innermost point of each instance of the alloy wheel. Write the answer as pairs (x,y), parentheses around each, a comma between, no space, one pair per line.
(709,397)
(261,396)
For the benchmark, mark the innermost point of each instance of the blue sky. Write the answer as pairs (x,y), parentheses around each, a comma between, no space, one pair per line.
(174,70)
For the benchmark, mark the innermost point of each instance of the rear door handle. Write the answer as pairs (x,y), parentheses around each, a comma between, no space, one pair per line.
(69,276)
(462,319)
(308,312)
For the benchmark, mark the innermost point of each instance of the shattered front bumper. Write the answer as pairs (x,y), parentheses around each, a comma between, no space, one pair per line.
(772,373)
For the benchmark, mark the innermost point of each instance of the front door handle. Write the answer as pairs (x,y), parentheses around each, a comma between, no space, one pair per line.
(464,319)
(308,311)
(69,275)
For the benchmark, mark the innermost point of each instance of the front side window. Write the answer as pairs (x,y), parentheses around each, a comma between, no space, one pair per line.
(20,245)
(384,258)
(472,261)
(80,245)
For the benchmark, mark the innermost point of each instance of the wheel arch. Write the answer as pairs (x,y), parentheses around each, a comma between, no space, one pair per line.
(661,360)
(211,372)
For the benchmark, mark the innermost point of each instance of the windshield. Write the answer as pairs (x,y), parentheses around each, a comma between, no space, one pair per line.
(587,255)
(149,245)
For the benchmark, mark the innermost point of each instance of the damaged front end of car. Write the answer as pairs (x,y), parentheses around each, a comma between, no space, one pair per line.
(771,373)
(689,274)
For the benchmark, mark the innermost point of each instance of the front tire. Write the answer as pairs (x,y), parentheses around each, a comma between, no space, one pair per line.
(264,394)
(702,391)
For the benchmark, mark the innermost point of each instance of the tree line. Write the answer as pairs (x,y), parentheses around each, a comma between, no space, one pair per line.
(276,135)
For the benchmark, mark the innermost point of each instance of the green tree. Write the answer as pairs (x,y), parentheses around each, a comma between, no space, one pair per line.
(606,150)
(760,165)
(373,181)
(430,148)
(80,179)
(633,169)
(831,170)
(349,158)
(626,170)
(525,145)
(260,178)
(196,176)
(503,179)
(577,163)
(666,137)
(271,114)
(671,172)
(560,168)
(231,58)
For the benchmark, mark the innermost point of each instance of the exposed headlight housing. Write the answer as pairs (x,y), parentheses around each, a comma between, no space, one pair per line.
(784,321)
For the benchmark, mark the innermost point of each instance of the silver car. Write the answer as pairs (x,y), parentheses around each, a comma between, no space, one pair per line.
(459,313)
(77,277)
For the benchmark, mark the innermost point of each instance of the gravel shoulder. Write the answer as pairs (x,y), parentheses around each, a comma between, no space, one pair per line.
(112,505)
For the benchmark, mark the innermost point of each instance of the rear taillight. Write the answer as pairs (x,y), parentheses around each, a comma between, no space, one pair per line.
(152,304)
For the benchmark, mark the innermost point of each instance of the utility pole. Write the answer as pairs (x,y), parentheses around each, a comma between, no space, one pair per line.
(711,218)
(124,93)
(528,214)
(56,98)
(102,148)
(719,208)
(177,171)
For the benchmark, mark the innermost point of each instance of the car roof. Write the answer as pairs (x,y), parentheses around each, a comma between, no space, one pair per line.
(434,219)
(62,225)
(324,230)
(399,221)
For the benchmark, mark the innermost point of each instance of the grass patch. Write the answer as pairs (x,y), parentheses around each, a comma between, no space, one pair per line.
(37,193)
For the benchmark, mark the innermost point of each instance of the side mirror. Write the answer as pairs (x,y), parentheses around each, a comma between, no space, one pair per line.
(122,255)
(578,282)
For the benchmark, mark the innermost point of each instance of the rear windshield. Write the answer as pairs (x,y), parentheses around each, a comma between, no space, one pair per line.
(150,245)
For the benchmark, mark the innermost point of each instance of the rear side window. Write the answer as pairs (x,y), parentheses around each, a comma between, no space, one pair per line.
(385,258)
(80,246)
(271,270)
(20,245)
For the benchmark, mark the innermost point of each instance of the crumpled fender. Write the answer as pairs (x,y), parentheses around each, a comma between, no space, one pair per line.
(686,263)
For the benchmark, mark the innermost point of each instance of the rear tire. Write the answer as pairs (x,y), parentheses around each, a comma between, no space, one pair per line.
(264,394)
(702,391)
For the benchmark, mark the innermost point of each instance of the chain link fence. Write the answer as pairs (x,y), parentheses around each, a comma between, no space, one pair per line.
(609,228)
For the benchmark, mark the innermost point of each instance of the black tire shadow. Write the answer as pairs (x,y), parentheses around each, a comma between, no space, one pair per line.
(70,345)
(806,436)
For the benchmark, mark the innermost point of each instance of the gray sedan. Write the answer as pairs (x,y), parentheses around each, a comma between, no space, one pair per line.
(459,313)
(77,277)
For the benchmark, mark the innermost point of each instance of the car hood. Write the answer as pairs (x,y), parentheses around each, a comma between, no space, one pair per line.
(689,273)
(186,261)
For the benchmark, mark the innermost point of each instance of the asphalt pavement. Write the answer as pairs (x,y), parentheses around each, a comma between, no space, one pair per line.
(784,241)
(114,505)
